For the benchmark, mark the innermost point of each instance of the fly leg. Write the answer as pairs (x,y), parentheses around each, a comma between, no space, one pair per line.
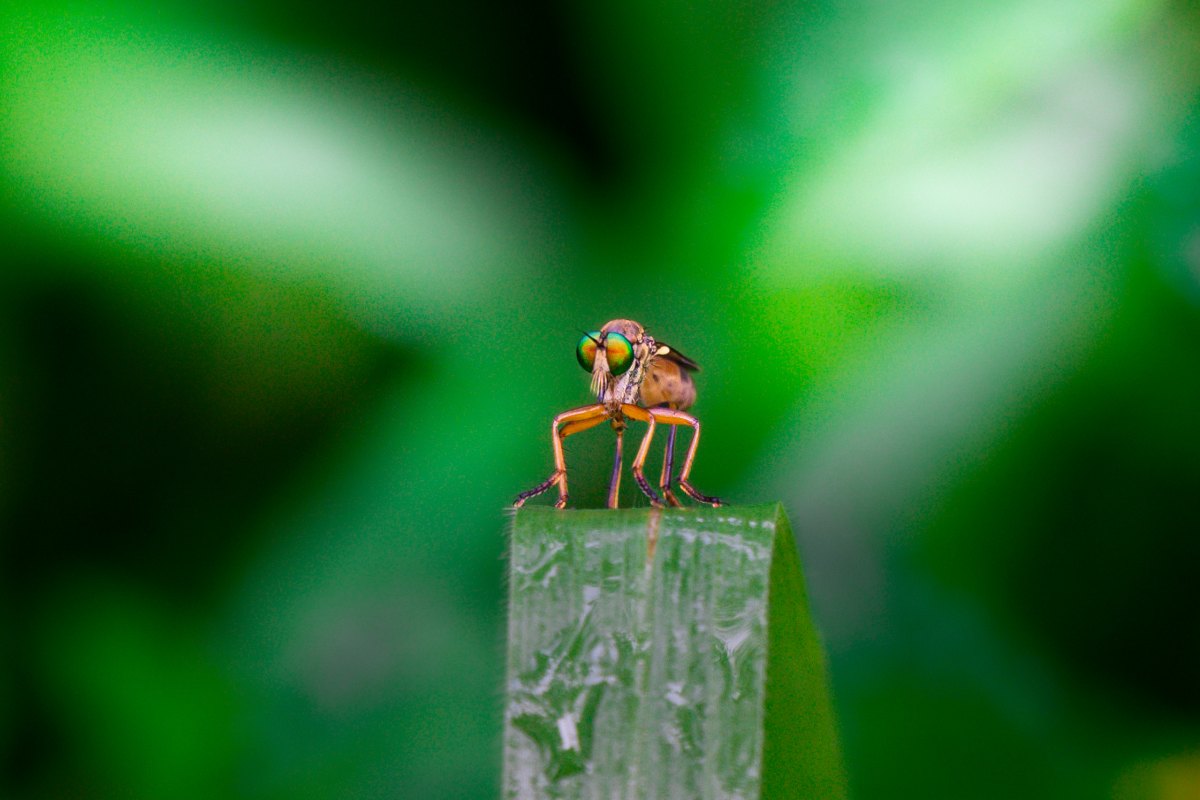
(673,417)
(573,421)
(535,491)
(664,482)
(643,415)
(614,483)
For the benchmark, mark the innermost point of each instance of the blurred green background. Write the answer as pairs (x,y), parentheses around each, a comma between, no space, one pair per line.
(290,292)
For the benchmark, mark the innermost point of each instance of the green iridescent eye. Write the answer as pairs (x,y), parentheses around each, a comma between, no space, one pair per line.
(619,352)
(585,351)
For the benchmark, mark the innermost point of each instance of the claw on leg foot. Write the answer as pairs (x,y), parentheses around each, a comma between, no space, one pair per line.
(715,502)
(539,489)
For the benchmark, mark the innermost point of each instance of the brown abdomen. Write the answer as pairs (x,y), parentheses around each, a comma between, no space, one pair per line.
(667,382)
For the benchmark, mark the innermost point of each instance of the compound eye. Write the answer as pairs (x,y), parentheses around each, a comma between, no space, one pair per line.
(619,352)
(585,351)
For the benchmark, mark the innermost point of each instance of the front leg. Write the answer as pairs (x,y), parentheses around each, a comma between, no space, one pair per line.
(535,491)
(573,421)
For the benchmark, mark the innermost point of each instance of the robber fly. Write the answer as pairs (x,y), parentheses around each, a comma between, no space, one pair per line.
(633,377)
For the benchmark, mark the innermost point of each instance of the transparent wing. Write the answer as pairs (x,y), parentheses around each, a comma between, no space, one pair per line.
(679,358)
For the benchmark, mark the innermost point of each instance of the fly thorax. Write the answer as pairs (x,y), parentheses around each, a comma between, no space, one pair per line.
(628,388)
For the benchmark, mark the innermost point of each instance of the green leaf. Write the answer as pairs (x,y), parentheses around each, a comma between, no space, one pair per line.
(661,654)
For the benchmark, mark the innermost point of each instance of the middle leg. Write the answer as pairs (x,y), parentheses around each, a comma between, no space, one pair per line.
(614,482)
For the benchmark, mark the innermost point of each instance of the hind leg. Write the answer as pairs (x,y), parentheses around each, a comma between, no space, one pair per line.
(643,415)
(664,482)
